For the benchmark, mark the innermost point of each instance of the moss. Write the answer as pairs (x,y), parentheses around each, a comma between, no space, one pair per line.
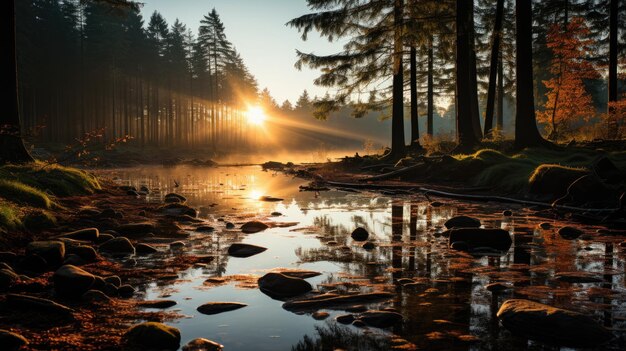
(39,220)
(24,194)
(553,179)
(58,180)
(9,216)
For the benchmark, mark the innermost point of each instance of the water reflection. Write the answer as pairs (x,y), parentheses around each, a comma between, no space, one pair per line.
(440,292)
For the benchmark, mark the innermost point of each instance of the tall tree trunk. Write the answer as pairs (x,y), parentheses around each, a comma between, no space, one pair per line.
(613,17)
(473,75)
(466,135)
(500,110)
(397,114)
(415,129)
(493,68)
(526,132)
(12,147)
(431,100)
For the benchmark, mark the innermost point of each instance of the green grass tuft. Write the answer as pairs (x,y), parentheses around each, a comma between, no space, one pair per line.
(58,180)
(24,194)
(9,217)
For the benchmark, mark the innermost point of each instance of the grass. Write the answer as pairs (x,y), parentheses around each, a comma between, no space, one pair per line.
(34,188)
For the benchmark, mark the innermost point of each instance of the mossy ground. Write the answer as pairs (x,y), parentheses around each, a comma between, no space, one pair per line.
(28,193)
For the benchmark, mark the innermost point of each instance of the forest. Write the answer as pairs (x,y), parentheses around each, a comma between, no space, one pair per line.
(451,176)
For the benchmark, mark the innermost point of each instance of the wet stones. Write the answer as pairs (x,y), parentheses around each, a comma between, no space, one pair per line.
(281,286)
(345,319)
(71,281)
(219,307)
(462,222)
(11,341)
(119,245)
(205,229)
(158,304)
(177,209)
(244,250)
(38,305)
(89,234)
(380,319)
(126,291)
(319,316)
(230,225)
(369,246)
(359,234)
(51,251)
(552,325)
(95,296)
(298,273)
(570,233)
(469,239)
(201,344)
(152,335)
(145,249)
(507,213)
(136,230)
(175,198)
(86,253)
(253,227)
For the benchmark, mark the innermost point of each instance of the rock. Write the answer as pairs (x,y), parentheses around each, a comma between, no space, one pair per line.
(552,325)
(11,341)
(497,287)
(276,214)
(356,309)
(126,291)
(179,197)
(201,344)
(95,296)
(74,260)
(436,204)
(359,234)
(152,335)
(460,246)
(87,253)
(145,249)
(462,222)
(113,279)
(498,239)
(545,225)
(282,286)
(144,189)
(570,233)
(119,245)
(71,281)
(127,188)
(590,191)
(578,277)
(219,307)
(336,301)
(380,319)
(7,279)
(320,315)
(104,237)
(33,264)
(38,305)
(345,319)
(507,213)
(551,181)
(178,209)
(205,229)
(230,225)
(177,245)
(8,257)
(244,250)
(51,251)
(157,304)
(253,227)
(368,246)
(136,230)
(89,234)
(298,273)
(607,171)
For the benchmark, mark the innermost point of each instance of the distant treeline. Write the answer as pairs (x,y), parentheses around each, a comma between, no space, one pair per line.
(87,69)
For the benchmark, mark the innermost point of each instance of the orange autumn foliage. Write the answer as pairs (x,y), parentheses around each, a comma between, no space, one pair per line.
(568,101)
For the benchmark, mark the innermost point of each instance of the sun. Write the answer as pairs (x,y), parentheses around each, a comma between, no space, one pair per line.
(256,115)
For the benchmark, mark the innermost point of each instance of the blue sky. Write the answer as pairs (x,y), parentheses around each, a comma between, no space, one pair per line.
(257,29)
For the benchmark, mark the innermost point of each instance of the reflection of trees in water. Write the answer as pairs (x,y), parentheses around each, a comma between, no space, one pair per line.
(333,337)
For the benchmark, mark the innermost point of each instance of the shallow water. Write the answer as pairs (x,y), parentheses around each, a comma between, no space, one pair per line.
(449,308)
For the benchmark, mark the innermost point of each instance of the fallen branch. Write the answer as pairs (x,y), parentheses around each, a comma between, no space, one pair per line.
(393,174)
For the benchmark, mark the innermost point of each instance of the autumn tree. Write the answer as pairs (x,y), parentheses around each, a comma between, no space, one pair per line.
(567,98)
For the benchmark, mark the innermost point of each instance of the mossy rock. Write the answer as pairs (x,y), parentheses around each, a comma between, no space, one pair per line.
(152,335)
(39,220)
(551,180)
(24,194)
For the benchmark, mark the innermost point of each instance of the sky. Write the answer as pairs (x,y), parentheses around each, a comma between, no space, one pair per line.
(257,30)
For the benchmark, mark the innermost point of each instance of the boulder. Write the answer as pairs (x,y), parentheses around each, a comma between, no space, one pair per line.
(152,335)
(169,198)
(368,246)
(359,234)
(119,245)
(104,237)
(551,181)
(136,230)
(178,209)
(126,291)
(219,307)
(380,319)
(71,281)
(89,234)
(298,273)
(145,249)
(95,296)
(320,315)
(462,222)
(201,344)
(253,227)
(74,260)
(11,341)
(507,213)
(160,304)
(281,286)
(38,305)
(8,257)
(51,251)
(345,319)
(244,250)
(230,225)
(551,325)
(7,279)
(570,233)
(177,245)
(474,238)
(205,229)
(87,253)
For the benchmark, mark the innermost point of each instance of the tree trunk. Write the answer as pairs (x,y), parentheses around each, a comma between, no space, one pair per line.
(12,149)
(613,47)
(493,68)
(500,110)
(397,114)
(526,132)
(431,107)
(415,130)
(466,135)
(473,75)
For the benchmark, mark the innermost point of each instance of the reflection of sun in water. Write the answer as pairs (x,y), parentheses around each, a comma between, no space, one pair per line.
(255,194)
(256,115)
